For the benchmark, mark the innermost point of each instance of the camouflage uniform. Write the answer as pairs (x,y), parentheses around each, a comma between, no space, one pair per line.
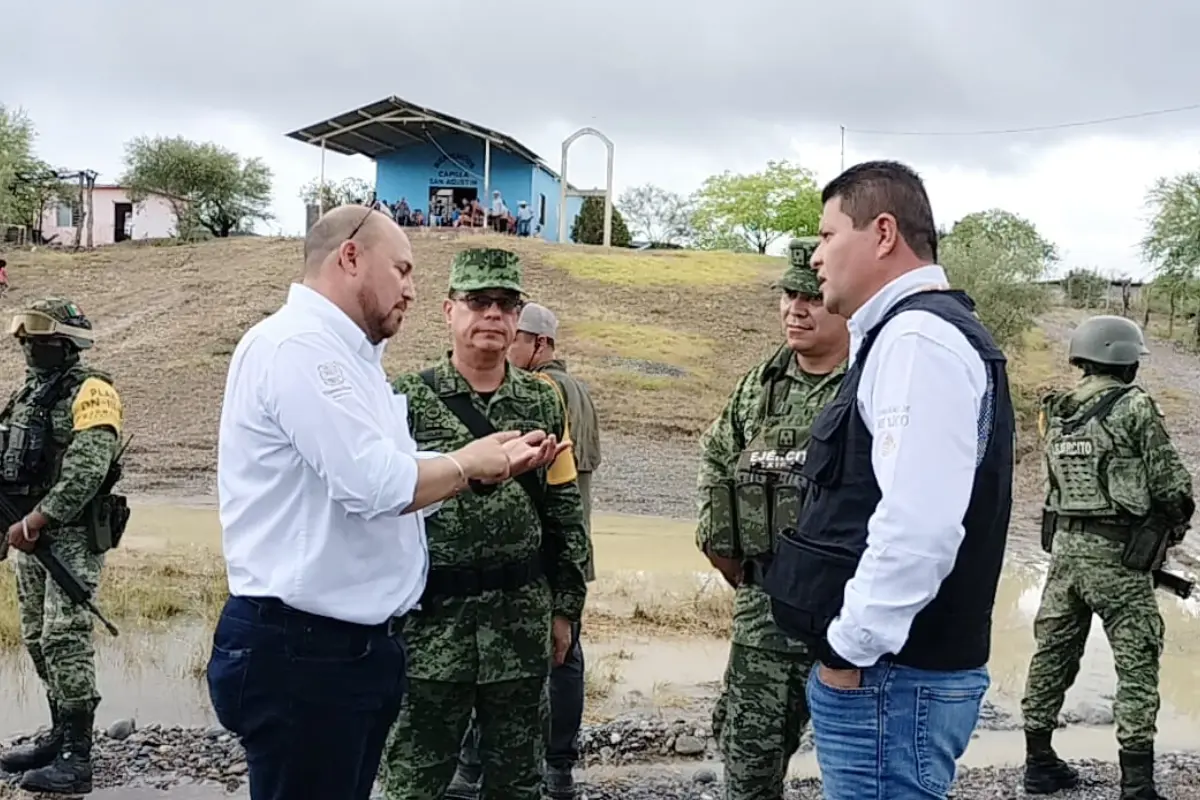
(489,652)
(762,432)
(1104,477)
(79,414)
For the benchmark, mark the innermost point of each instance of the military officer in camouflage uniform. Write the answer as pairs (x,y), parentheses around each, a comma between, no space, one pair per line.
(506,581)
(1117,495)
(61,437)
(748,492)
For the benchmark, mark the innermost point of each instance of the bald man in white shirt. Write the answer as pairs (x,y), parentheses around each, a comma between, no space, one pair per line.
(322,499)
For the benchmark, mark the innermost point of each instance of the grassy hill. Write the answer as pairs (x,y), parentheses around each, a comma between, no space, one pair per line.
(659,336)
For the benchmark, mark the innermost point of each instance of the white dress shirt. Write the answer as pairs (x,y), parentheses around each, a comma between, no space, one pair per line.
(315,466)
(920,396)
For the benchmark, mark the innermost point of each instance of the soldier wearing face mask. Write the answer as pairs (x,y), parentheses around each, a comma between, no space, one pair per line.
(60,434)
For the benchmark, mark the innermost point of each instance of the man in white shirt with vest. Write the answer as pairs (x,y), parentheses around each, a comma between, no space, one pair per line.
(890,573)
(322,499)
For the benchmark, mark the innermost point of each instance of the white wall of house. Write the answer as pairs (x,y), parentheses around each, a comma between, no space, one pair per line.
(153,218)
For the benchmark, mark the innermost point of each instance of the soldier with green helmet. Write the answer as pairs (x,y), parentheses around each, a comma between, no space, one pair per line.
(61,431)
(506,578)
(749,490)
(1118,495)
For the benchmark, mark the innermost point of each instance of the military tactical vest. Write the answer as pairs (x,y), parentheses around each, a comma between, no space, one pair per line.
(768,489)
(36,432)
(1093,473)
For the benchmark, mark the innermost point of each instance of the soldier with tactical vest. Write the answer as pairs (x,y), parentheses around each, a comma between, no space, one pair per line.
(1118,496)
(749,490)
(61,434)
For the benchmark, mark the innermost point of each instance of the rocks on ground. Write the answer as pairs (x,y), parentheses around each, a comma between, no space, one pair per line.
(1177,775)
(642,747)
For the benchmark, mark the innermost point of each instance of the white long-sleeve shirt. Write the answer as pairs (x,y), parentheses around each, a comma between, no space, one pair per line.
(921,393)
(315,467)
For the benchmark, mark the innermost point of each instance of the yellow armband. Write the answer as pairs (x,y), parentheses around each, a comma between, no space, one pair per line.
(96,405)
(563,469)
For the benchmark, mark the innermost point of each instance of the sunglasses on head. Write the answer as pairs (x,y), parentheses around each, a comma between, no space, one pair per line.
(507,303)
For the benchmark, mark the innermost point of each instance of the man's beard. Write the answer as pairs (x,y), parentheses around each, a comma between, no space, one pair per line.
(377,322)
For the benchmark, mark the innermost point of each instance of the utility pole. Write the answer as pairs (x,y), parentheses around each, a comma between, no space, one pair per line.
(843,148)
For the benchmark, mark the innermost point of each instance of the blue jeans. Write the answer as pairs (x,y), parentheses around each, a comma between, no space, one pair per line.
(898,735)
(311,698)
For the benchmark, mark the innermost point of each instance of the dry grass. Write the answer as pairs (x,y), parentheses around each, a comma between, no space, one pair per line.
(140,590)
(168,318)
(662,267)
(151,590)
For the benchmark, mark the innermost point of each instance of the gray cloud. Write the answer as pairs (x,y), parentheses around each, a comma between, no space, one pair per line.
(694,72)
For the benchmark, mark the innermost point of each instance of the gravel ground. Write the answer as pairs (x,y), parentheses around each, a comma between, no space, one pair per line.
(646,476)
(635,756)
(1177,774)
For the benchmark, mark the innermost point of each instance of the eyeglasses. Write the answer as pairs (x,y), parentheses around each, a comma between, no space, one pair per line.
(507,303)
(361,222)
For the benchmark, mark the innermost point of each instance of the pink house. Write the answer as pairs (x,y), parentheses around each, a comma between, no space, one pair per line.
(116,218)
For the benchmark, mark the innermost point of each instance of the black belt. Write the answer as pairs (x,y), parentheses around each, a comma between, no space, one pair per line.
(1113,531)
(474,581)
(273,609)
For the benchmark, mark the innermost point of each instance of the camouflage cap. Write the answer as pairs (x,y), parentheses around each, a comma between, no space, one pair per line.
(72,324)
(485,268)
(799,276)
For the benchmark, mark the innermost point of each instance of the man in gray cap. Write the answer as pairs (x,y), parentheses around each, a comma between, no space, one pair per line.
(533,349)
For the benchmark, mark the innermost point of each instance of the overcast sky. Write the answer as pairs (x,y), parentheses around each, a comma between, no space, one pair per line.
(685,88)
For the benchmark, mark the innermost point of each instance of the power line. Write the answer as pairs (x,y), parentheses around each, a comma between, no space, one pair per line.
(1033,129)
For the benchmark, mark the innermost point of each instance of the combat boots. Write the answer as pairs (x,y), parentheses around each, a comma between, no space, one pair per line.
(71,770)
(1045,772)
(38,753)
(466,784)
(1137,776)
(559,783)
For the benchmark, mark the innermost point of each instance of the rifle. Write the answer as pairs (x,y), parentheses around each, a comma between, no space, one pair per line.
(1176,584)
(60,573)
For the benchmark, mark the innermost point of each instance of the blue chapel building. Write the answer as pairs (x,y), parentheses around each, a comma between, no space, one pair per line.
(429,158)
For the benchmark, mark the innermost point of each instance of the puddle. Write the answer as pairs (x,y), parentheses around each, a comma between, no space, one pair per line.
(146,676)
(157,676)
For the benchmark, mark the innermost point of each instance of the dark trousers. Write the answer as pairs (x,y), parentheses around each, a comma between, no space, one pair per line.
(566,713)
(311,698)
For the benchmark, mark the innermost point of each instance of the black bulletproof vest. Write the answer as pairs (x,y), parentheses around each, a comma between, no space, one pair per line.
(816,559)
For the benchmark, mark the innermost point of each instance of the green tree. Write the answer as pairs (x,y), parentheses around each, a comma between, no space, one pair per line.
(781,200)
(28,185)
(1085,288)
(1172,241)
(337,193)
(657,215)
(997,257)
(207,185)
(589,225)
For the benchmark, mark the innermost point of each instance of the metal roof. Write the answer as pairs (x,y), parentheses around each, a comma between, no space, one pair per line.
(393,124)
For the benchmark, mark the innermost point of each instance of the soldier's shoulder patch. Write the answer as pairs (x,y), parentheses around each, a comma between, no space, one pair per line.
(96,405)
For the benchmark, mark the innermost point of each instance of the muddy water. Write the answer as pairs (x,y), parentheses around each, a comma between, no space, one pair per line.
(157,676)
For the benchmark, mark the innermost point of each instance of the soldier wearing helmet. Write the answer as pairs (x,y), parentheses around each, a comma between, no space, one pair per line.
(748,492)
(60,435)
(1117,490)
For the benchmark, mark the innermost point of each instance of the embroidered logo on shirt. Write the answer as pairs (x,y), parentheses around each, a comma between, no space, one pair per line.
(331,373)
